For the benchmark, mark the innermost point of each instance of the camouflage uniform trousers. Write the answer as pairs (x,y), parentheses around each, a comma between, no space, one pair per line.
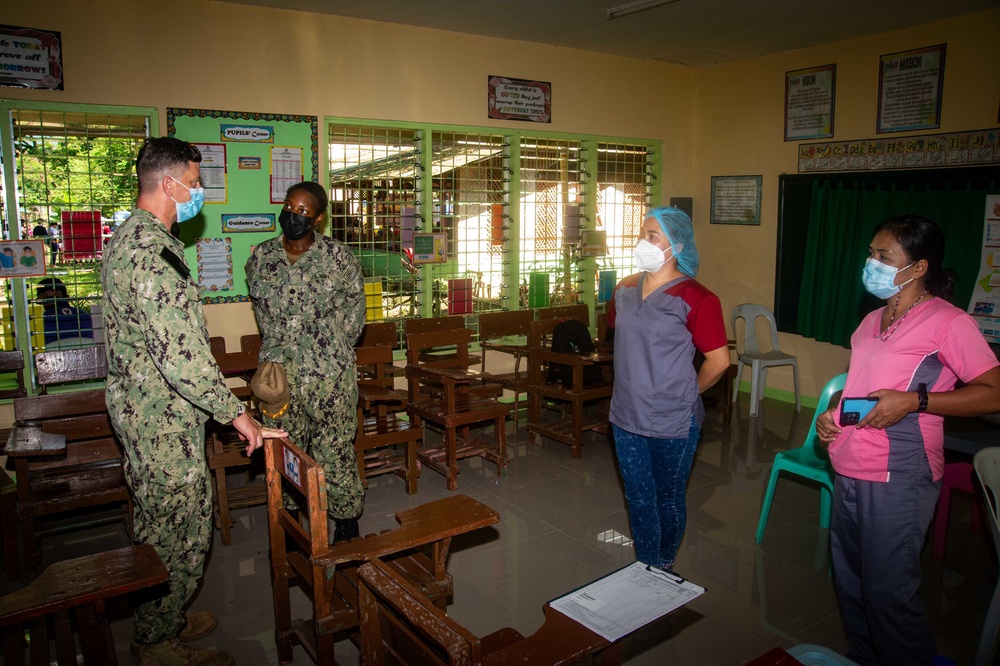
(173,512)
(322,421)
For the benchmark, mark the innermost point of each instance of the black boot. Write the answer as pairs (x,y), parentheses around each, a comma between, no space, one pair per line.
(346,529)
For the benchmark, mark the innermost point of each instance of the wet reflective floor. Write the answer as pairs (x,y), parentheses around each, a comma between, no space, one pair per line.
(564,523)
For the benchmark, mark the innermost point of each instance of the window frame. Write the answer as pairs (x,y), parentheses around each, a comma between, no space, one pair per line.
(19,287)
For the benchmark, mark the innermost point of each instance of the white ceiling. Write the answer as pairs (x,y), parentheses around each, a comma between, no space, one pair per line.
(686,32)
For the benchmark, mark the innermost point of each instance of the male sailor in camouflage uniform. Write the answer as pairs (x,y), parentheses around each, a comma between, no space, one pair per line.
(163,384)
(308,294)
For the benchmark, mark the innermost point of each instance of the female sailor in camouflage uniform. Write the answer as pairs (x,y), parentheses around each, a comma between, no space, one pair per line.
(308,295)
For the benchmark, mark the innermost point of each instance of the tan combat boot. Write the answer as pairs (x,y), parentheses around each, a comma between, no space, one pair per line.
(199,624)
(175,653)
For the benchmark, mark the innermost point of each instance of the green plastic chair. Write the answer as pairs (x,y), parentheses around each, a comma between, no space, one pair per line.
(810,461)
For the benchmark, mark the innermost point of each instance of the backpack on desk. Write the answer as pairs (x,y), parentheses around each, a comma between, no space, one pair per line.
(573,337)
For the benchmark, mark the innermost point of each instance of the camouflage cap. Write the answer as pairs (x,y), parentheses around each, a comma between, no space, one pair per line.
(270,385)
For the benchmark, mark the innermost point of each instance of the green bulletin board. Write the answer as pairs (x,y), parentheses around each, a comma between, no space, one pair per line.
(248,161)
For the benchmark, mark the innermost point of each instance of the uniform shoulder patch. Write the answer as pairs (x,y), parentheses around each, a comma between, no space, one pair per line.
(352,272)
(176,262)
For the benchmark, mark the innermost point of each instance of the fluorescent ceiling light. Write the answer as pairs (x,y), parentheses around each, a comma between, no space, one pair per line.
(636,6)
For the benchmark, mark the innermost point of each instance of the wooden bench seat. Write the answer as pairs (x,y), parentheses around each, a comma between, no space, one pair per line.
(300,552)
(81,585)
(85,471)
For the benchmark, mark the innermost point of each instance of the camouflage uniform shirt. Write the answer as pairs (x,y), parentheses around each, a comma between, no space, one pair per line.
(311,312)
(161,374)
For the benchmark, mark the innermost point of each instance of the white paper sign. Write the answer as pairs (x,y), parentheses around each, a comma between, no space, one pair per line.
(215,264)
(286,170)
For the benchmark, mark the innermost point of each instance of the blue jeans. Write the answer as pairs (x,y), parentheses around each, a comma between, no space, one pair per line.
(655,472)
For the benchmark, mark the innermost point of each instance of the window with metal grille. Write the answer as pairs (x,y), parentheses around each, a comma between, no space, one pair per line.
(374,174)
(551,178)
(73,178)
(624,193)
(469,192)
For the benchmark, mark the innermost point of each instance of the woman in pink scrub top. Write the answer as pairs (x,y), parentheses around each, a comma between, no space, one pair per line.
(909,356)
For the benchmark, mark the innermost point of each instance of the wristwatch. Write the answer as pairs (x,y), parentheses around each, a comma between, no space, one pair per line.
(922,397)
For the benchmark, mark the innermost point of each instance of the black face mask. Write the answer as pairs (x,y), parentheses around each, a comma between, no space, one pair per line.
(294,225)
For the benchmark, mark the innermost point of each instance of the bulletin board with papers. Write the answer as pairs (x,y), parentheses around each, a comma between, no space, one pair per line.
(248,162)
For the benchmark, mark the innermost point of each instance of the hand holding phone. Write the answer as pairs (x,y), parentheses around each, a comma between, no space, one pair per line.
(852,410)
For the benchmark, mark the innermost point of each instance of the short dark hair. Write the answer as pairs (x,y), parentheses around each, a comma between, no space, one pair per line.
(920,239)
(315,190)
(53,284)
(160,155)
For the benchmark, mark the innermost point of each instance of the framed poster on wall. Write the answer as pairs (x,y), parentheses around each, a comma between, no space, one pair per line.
(909,90)
(736,200)
(809,103)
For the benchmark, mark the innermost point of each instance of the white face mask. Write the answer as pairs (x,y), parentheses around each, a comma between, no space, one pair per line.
(648,257)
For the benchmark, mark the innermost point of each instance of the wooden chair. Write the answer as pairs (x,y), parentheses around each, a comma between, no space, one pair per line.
(250,345)
(40,610)
(12,362)
(301,552)
(384,442)
(223,446)
(569,429)
(239,365)
(384,333)
(378,333)
(578,311)
(399,623)
(81,468)
(442,352)
(498,325)
(454,405)
(70,365)
(399,626)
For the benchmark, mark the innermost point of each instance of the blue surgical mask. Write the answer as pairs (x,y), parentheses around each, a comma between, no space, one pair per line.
(190,208)
(880,279)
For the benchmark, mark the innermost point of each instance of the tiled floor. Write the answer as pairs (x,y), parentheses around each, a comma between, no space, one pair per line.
(564,523)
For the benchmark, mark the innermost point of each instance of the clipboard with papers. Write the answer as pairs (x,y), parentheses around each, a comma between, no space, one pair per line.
(626,600)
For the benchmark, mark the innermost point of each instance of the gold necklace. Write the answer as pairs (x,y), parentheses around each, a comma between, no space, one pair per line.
(889,331)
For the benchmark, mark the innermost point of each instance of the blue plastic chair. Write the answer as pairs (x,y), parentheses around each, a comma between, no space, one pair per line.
(810,461)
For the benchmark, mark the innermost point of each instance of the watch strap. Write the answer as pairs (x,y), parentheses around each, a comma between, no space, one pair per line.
(922,398)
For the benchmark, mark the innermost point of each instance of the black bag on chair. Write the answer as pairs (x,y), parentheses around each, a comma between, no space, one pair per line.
(573,337)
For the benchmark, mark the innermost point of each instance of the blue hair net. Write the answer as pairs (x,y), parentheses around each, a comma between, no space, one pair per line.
(680,232)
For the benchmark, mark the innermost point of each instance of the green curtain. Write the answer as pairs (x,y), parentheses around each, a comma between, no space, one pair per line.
(843,215)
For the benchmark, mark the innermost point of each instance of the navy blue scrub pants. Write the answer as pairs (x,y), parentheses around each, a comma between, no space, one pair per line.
(876,533)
